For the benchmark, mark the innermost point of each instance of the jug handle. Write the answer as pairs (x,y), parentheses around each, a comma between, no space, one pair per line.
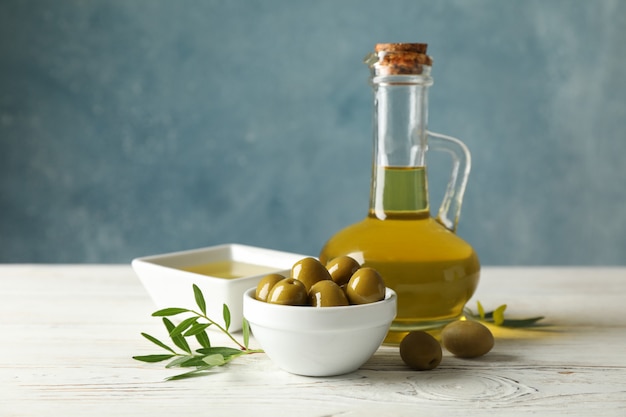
(461,164)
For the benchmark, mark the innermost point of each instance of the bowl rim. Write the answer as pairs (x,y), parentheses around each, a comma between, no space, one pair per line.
(306,319)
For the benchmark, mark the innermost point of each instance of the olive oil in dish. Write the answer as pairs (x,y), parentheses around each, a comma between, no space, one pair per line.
(229,269)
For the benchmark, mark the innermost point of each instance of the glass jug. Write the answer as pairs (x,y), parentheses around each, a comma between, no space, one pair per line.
(433,271)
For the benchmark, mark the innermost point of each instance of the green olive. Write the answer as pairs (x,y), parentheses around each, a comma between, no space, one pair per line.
(309,271)
(264,286)
(420,351)
(365,286)
(327,293)
(341,269)
(288,291)
(467,339)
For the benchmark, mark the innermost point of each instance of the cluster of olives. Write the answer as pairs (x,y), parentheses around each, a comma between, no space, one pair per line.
(340,283)
(463,338)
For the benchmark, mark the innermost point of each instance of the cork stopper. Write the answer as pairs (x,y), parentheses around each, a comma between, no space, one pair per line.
(400,58)
(418,48)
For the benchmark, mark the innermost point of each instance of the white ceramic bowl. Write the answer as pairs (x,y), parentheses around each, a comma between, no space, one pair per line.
(169,285)
(319,341)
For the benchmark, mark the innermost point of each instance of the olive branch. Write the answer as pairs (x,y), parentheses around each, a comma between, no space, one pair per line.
(203,359)
(497,318)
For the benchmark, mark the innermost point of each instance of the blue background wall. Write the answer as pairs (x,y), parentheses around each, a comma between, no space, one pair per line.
(130,128)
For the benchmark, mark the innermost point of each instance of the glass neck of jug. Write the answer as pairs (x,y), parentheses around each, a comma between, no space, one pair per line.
(399,184)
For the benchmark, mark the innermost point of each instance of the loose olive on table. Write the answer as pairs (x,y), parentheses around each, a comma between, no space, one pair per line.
(463,338)
(467,339)
(420,351)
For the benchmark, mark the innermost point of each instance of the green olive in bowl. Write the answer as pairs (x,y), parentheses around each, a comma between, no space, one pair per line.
(341,269)
(288,291)
(365,286)
(327,294)
(309,271)
(266,284)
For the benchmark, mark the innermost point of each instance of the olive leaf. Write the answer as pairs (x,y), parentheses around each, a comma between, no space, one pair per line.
(221,350)
(199,298)
(203,339)
(199,371)
(226,316)
(481,310)
(183,325)
(214,360)
(153,358)
(157,342)
(169,312)
(245,326)
(518,323)
(178,340)
(196,328)
(179,361)
(498,315)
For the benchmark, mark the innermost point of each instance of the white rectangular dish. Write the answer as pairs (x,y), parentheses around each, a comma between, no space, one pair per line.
(228,270)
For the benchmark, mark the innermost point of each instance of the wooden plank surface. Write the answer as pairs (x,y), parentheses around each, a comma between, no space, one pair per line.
(67,334)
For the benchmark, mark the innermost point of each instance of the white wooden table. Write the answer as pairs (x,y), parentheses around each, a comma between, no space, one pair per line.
(67,334)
